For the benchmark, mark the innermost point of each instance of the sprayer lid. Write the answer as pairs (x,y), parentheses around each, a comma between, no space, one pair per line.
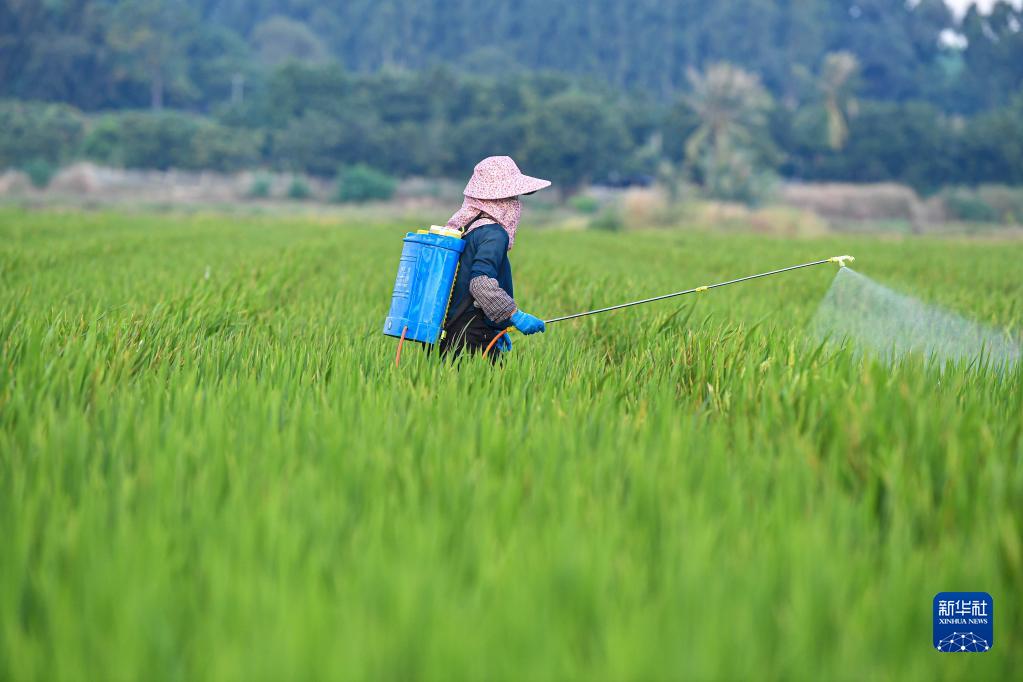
(445,231)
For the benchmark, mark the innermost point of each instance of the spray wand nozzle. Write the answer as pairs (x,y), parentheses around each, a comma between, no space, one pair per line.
(840,260)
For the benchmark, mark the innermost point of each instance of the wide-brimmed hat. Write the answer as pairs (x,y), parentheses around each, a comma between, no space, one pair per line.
(497,177)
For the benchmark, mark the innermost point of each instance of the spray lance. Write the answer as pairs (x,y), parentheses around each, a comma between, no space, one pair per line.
(426,277)
(841,260)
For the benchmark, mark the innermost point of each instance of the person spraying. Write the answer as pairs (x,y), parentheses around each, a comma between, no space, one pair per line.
(482,300)
(454,290)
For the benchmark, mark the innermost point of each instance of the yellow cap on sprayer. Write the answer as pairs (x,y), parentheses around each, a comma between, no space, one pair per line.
(446,231)
(840,260)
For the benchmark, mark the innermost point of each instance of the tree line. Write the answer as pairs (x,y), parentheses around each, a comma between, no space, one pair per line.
(724,93)
(195,54)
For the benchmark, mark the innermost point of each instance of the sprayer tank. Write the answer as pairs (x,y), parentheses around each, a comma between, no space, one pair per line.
(422,289)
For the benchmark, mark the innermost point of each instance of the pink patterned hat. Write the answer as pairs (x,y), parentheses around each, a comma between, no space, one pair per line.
(497,177)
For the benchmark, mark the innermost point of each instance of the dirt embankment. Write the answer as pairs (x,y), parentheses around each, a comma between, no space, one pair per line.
(842,202)
(96,183)
(797,208)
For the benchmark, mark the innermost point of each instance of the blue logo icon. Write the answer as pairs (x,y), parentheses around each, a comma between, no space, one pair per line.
(963,622)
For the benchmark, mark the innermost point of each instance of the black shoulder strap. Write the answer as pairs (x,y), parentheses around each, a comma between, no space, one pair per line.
(478,216)
(467,301)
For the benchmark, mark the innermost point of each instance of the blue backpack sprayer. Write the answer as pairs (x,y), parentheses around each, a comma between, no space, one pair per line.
(422,289)
(426,277)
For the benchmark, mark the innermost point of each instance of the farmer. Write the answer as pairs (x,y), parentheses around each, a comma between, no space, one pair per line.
(482,302)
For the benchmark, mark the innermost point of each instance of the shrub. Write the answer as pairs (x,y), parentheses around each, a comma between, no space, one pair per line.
(298,189)
(219,148)
(967,205)
(984,204)
(361,183)
(260,188)
(584,204)
(732,175)
(1006,201)
(31,132)
(315,143)
(646,207)
(609,220)
(39,172)
(167,139)
(142,139)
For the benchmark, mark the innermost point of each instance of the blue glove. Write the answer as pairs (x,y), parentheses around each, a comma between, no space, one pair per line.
(504,343)
(527,324)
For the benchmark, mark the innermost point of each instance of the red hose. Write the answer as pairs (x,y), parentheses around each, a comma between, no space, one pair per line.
(493,341)
(397,356)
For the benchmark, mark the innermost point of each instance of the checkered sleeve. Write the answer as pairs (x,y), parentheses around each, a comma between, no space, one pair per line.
(491,298)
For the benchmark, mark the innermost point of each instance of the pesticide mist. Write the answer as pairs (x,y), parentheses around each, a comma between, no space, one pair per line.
(875,319)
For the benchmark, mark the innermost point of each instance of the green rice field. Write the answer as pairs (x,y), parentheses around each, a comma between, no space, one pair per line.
(210,467)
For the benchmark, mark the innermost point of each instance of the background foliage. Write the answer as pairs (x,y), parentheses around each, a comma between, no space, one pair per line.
(858,90)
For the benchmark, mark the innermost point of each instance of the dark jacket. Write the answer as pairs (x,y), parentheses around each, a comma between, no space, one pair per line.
(486,254)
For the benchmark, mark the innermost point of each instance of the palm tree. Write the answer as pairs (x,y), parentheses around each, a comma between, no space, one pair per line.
(731,106)
(835,83)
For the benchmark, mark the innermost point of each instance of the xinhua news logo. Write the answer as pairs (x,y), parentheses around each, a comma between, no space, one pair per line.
(963,622)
